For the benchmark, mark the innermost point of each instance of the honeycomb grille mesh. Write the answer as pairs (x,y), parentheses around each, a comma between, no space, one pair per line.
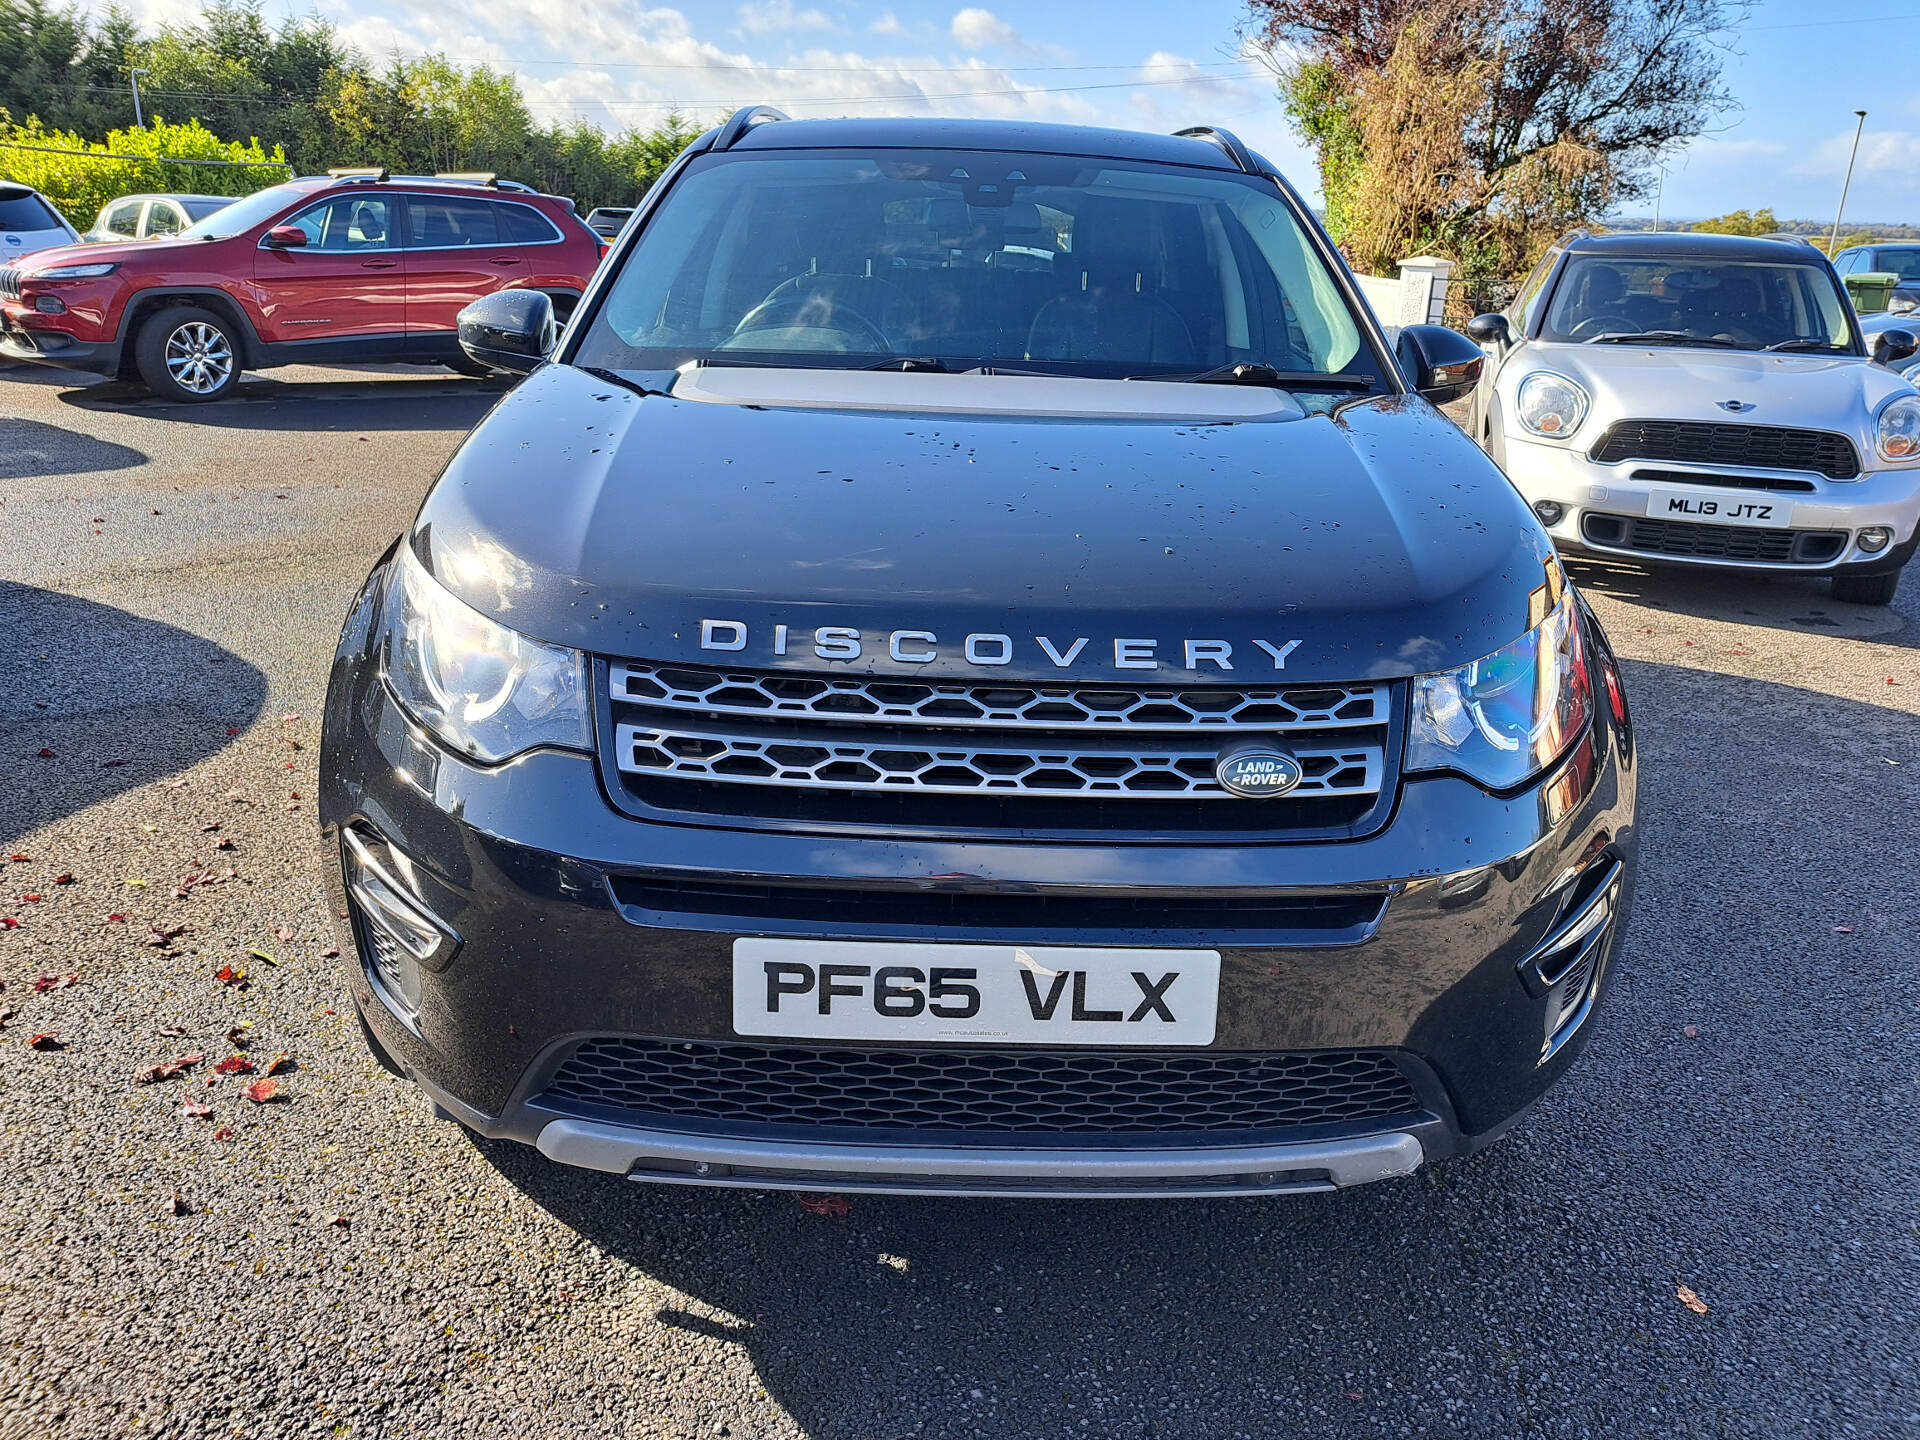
(1772,447)
(1061,1092)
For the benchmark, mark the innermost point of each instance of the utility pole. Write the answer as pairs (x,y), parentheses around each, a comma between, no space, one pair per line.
(1833,240)
(138,123)
(1659,194)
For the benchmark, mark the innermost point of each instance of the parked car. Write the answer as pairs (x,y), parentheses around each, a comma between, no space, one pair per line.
(355,265)
(1705,400)
(606,220)
(1902,259)
(874,717)
(149,217)
(29,223)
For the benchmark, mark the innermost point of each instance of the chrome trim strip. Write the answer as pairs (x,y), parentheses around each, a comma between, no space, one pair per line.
(674,1157)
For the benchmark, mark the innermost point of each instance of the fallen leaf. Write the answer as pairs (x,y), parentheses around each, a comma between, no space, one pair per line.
(229,975)
(1692,1301)
(117,919)
(7,922)
(175,1206)
(340,1222)
(30,899)
(824,1204)
(234,1065)
(173,1032)
(44,1040)
(63,879)
(233,729)
(1843,929)
(225,1132)
(264,958)
(54,982)
(237,1036)
(282,934)
(223,843)
(194,1110)
(21,859)
(264,1092)
(1352,1395)
(291,715)
(158,935)
(155,1073)
(280,1062)
(46,754)
(1692,1032)
(332,952)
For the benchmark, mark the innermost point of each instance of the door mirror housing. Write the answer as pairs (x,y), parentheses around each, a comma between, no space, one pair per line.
(1490,329)
(1890,347)
(1441,364)
(509,330)
(284,237)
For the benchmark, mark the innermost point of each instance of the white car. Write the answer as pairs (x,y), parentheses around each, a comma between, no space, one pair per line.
(28,222)
(1705,400)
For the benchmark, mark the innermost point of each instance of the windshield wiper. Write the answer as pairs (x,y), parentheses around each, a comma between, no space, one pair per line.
(924,364)
(1664,337)
(1806,343)
(1244,373)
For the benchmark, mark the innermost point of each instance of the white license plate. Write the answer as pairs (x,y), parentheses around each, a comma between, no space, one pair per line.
(974,994)
(1729,509)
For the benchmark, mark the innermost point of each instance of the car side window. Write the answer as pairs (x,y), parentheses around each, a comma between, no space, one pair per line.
(1527,301)
(524,225)
(445,222)
(1847,262)
(164,219)
(123,219)
(347,223)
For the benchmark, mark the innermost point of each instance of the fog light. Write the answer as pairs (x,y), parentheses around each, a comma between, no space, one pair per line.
(49,304)
(401,936)
(1549,511)
(1874,539)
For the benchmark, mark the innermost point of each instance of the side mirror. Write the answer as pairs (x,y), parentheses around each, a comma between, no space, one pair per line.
(1890,347)
(285,237)
(1490,329)
(509,330)
(1441,364)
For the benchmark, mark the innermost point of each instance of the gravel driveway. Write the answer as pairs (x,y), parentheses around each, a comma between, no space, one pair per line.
(331,1261)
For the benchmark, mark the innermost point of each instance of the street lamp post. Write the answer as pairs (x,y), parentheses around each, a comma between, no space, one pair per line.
(1833,240)
(138,123)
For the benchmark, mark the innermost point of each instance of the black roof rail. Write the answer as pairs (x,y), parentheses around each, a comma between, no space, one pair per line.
(743,120)
(1227,141)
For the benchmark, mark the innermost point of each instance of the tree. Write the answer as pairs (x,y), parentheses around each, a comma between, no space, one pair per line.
(79,177)
(1481,128)
(58,66)
(1740,222)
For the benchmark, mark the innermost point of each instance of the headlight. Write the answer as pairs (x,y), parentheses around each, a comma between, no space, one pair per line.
(1896,431)
(1550,404)
(483,689)
(72,272)
(1505,718)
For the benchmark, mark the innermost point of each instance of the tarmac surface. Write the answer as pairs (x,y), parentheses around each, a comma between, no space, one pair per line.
(337,1263)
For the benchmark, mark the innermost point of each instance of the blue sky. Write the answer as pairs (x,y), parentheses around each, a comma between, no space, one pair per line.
(1137,64)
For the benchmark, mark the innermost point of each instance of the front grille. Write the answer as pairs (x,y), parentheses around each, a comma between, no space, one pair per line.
(967,1089)
(871,750)
(9,283)
(1769,447)
(1713,542)
(1777,483)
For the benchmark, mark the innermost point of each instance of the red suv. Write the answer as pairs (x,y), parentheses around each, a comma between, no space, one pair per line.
(352,266)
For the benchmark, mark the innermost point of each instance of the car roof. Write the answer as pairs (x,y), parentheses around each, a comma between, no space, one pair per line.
(1691,244)
(16,187)
(1019,135)
(171,195)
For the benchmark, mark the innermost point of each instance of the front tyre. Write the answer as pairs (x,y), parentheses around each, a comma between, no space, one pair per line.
(186,353)
(1866,589)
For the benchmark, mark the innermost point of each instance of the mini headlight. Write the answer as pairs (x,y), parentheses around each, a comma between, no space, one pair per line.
(1896,430)
(1550,405)
(1504,718)
(483,689)
(73,272)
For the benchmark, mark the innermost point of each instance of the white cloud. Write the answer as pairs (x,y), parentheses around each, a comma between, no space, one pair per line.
(1889,156)
(772,16)
(978,29)
(887,24)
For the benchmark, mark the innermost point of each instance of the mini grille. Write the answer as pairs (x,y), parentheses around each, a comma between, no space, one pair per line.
(1713,542)
(982,1090)
(9,283)
(1771,447)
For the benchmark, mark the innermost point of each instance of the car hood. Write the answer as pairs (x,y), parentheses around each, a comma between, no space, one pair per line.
(586,514)
(1817,392)
(70,253)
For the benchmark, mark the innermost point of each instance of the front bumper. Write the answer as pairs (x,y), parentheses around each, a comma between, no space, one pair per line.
(1830,516)
(1483,902)
(25,335)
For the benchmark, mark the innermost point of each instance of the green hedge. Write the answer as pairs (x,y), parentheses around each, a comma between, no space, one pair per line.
(79,184)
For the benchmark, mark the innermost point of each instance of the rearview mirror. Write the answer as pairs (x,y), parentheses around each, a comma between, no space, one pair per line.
(1890,347)
(285,237)
(1441,364)
(1490,329)
(509,330)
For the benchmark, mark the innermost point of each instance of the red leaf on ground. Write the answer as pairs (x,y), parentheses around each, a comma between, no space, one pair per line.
(44,1040)
(154,1073)
(233,729)
(54,982)
(229,975)
(46,754)
(1692,1032)
(835,1205)
(234,1065)
(7,922)
(118,919)
(263,1092)
(63,879)
(340,1222)
(282,934)
(225,1132)
(282,1061)
(158,935)
(21,859)
(30,899)
(173,1032)
(194,1110)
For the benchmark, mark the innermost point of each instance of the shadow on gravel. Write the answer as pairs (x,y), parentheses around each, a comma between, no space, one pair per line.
(1794,603)
(120,700)
(435,402)
(1763,1162)
(30,449)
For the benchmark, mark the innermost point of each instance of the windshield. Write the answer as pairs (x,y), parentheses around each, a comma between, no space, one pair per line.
(1904,263)
(26,212)
(1718,304)
(241,215)
(1059,264)
(199,209)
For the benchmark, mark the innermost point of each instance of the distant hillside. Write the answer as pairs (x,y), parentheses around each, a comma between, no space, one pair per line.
(1879,229)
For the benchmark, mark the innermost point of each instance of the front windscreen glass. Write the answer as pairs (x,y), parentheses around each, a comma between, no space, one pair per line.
(256,209)
(26,213)
(1058,264)
(1904,263)
(1705,303)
